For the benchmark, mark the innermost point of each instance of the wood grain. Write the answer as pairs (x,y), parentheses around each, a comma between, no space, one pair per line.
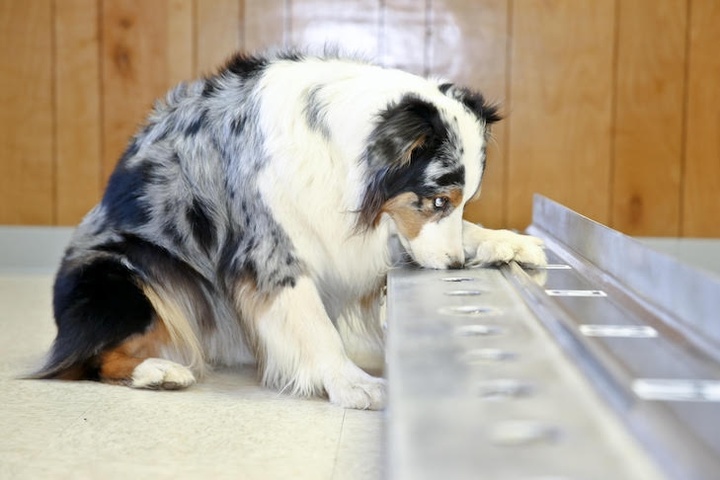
(701,191)
(26,116)
(219,33)
(267,25)
(77,112)
(469,46)
(648,121)
(612,112)
(180,40)
(134,70)
(560,106)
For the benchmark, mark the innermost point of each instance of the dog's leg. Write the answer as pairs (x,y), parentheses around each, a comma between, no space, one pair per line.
(484,246)
(301,352)
(134,363)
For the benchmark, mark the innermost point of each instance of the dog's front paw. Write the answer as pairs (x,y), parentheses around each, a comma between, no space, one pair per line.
(157,373)
(486,247)
(353,388)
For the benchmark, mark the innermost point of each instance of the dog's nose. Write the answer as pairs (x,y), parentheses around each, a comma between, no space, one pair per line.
(456,265)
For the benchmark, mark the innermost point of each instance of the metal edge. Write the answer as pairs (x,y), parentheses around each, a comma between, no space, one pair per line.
(681,458)
(686,298)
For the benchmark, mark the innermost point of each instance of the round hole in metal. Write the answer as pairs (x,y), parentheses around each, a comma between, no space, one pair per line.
(504,389)
(488,355)
(458,279)
(478,330)
(466,310)
(463,293)
(523,432)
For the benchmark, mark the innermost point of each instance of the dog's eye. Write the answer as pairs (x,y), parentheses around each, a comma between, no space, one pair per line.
(440,202)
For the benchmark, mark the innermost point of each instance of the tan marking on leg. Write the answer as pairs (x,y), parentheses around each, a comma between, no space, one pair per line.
(117,364)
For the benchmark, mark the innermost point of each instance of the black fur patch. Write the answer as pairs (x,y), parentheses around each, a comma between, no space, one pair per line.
(238,124)
(239,261)
(210,88)
(453,178)
(474,101)
(201,225)
(246,66)
(170,229)
(194,127)
(123,197)
(400,126)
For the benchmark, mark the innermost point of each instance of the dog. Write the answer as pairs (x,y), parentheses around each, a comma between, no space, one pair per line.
(252,215)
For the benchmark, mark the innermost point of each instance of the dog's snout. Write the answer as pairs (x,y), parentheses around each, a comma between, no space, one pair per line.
(456,265)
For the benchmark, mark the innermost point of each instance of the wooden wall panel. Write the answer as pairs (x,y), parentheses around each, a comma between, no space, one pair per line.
(560,106)
(134,72)
(137,52)
(77,112)
(611,106)
(219,32)
(469,45)
(404,35)
(181,48)
(351,25)
(701,192)
(267,25)
(648,132)
(26,126)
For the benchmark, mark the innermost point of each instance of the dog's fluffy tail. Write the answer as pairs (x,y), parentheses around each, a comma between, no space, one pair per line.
(118,291)
(97,304)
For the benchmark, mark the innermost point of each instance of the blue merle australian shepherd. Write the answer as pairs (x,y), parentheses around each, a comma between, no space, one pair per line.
(251,217)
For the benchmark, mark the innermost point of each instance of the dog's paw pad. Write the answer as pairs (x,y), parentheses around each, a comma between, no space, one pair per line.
(531,253)
(357,390)
(156,373)
(503,246)
(493,252)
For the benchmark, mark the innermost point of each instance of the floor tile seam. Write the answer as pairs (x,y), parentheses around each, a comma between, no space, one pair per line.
(333,475)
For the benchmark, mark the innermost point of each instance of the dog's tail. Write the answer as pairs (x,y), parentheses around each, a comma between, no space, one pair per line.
(119,292)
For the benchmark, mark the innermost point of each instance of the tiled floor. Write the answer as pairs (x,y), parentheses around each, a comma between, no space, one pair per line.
(225,427)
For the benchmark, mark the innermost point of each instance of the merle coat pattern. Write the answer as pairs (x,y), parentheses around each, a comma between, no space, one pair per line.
(251,215)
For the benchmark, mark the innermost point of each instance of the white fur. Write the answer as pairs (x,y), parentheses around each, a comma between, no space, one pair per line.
(161,373)
(484,247)
(304,354)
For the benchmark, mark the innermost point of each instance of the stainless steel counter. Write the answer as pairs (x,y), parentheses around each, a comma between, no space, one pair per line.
(604,365)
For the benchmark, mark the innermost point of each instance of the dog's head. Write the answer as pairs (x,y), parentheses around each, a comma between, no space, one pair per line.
(426,158)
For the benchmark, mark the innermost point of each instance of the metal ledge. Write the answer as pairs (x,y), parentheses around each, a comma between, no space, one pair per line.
(683,296)
(479,388)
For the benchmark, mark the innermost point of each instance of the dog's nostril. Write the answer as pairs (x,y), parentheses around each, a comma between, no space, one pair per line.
(457,265)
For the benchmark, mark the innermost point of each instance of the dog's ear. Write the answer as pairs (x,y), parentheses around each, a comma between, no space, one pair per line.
(402,129)
(489,113)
